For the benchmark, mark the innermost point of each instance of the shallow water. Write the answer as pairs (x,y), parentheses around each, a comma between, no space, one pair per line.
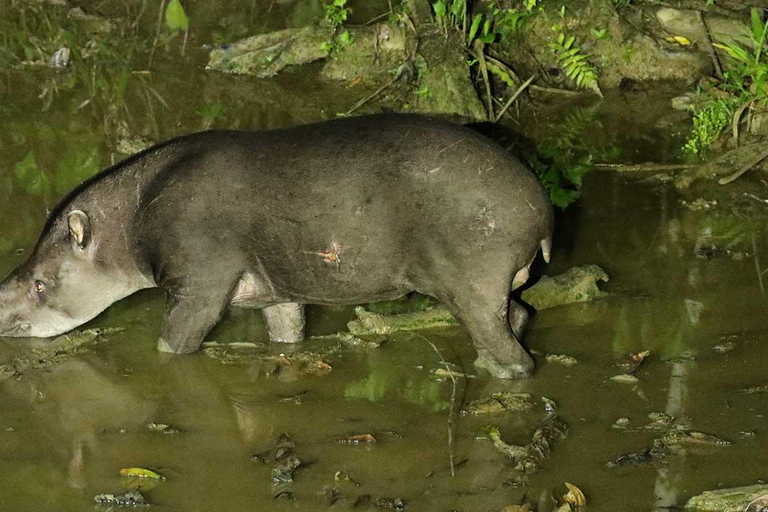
(66,432)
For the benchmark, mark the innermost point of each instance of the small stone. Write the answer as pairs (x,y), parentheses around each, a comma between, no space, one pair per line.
(722,348)
(132,498)
(561,359)
(621,423)
(625,378)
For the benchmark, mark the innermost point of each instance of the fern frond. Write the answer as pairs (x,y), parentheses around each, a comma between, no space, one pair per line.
(574,63)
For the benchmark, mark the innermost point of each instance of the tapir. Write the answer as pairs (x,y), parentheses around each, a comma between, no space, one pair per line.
(347,211)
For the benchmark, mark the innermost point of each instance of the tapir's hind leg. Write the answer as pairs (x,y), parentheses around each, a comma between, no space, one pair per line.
(486,317)
(285,322)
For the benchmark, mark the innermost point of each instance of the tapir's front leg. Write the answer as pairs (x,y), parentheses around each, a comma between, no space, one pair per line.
(190,313)
(285,322)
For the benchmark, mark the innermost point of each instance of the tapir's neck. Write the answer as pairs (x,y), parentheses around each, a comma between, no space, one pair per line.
(111,200)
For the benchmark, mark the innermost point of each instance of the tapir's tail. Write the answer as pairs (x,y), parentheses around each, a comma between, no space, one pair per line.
(546,247)
(524,273)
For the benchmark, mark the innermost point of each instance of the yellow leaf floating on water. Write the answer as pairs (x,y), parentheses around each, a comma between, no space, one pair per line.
(575,498)
(141,473)
(682,41)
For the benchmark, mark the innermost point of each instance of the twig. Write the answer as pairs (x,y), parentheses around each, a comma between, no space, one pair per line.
(762,156)
(513,98)
(511,117)
(757,266)
(753,196)
(453,404)
(381,89)
(759,498)
(643,167)
(479,47)
(379,17)
(737,119)
(135,25)
(552,90)
(710,47)
(157,33)
(184,45)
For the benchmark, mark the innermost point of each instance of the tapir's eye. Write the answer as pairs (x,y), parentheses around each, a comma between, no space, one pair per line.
(39,287)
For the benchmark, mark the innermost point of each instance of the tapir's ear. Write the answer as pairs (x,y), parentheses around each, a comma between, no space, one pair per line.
(79,229)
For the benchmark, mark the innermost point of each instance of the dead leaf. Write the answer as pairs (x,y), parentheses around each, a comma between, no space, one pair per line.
(444,373)
(575,498)
(682,41)
(355,81)
(141,473)
(358,439)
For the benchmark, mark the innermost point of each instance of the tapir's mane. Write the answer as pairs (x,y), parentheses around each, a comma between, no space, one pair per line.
(120,166)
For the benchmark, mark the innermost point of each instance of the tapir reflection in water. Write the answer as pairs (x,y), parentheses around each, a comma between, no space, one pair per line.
(347,211)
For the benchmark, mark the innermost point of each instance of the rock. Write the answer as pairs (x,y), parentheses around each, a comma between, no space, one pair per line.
(60,349)
(371,56)
(723,165)
(628,53)
(561,359)
(735,499)
(577,284)
(758,124)
(446,82)
(372,323)
(631,459)
(686,23)
(374,52)
(60,59)
(527,458)
(621,423)
(131,145)
(132,498)
(267,54)
(724,347)
(500,402)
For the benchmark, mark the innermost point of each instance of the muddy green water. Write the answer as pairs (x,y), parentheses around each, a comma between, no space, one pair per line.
(67,431)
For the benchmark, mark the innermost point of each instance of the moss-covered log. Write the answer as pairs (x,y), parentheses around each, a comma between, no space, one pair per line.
(578,284)
(735,499)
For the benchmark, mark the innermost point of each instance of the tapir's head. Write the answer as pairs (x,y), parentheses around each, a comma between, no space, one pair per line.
(63,283)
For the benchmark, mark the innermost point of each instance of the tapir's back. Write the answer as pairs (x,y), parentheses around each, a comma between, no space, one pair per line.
(377,194)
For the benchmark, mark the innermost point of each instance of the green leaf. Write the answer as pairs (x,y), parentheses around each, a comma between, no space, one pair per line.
(487,27)
(488,38)
(440,8)
(757,26)
(175,17)
(457,7)
(475,26)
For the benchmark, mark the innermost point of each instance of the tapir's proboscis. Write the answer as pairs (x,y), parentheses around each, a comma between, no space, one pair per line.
(348,211)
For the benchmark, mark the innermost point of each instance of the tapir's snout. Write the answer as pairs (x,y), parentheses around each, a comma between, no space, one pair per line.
(10,322)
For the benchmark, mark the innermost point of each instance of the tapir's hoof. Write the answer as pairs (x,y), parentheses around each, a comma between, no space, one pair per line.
(522,370)
(163,346)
